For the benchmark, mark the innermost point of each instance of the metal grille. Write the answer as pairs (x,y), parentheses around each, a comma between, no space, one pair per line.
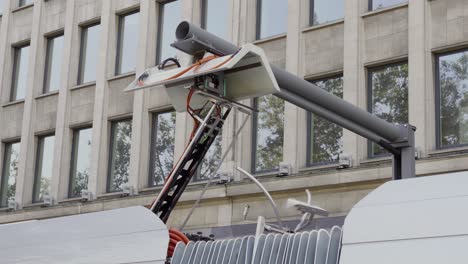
(318,247)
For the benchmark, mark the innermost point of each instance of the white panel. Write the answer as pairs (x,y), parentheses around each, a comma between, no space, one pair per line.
(124,235)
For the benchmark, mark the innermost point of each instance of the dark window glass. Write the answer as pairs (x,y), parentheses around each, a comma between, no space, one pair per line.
(89,53)
(215,17)
(325,137)
(24,2)
(10,171)
(323,11)
(81,150)
(388,96)
(453,99)
(162,147)
(53,69)
(272,17)
(211,161)
(169,19)
(44,163)
(20,73)
(121,139)
(268,133)
(127,43)
(377,4)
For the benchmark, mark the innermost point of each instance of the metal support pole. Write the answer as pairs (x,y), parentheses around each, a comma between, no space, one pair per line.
(396,139)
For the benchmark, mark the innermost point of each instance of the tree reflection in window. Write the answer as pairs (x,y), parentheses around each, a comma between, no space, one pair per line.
(269,133)
(211,161)
(162,147)
(80,161)
(10,171)
(121,139)
(325,138)
(453,93)
(389,96)
(44,167)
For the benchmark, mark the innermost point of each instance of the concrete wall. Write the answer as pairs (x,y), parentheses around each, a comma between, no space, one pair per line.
(412,32)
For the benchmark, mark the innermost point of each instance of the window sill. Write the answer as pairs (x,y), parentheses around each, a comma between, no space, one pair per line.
(17,9)
(113,195)
(384,10)
(377,161)
(323,167)
(47,94)
(83,85)
(71,200)
(449,151)
(268,39)
(323,25)
(13,103)
(35,205)
(121,76)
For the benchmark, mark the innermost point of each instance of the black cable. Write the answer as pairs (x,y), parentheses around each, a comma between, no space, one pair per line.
(162,65)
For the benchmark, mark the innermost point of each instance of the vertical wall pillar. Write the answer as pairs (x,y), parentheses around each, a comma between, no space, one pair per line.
(420,92)
(25,178)
(294,117)
(4,40)
(97,176)
(62,148)
(141,119)
(352,71)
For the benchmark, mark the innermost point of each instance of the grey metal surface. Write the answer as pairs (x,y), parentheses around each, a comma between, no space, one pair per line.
(298,248)
(124,235)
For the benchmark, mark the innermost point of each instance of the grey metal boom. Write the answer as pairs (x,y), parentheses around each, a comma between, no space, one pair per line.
(397,139)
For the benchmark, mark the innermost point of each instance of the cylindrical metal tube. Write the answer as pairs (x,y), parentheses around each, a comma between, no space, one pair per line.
(345,114)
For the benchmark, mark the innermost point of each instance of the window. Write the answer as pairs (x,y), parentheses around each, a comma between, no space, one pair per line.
(53,66)
(211,161)
(324,137)
(44,164)
(452,96)
(268,133)
(119,160)
(169,19)
(24,2)
(89,52)
(388,97)
(127,43)
(215,17)
(10,171)
(272,17)
(81,151)
(378,4)
(162,147)
(20,73)
(323,11)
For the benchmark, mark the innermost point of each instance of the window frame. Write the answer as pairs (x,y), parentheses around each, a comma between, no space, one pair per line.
(309,126)
(118,57)
(258,21)
(37,162)
(111,146)
(84,28)
(312,11)
(73,161)
(22,3)
(160,29)
(7,145)
(153,133)
(370,5)
(15,72)
(369,98)
(437,97)
(48,59)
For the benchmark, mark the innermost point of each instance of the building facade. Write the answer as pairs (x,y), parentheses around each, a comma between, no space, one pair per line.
(67,127)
